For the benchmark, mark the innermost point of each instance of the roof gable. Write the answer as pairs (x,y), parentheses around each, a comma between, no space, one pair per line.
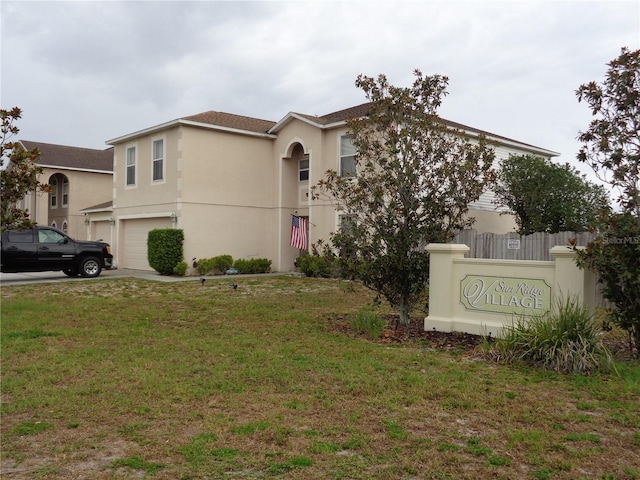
(75,158)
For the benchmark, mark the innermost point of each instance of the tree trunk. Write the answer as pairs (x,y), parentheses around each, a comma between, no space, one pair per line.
(404,309)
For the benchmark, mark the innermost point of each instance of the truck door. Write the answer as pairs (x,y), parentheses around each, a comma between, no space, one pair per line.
(19,250)
(55,250)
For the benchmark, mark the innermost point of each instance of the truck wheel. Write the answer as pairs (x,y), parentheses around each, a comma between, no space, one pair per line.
(70,272)
(90,267)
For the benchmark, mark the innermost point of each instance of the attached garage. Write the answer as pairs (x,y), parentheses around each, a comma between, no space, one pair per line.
(133,241)
(101,231)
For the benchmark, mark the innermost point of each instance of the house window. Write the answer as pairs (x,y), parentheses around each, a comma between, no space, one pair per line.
(347,157)
(303,169)
(131,166)
(53,196)
(65,192)
(347,223)
(158,160)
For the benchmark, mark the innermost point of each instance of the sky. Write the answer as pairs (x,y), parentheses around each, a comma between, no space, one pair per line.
(85,72)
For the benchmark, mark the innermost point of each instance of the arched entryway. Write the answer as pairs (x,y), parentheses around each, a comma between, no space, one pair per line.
(58,205)
(295,193)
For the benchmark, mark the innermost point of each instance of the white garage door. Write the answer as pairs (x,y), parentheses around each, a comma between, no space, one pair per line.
(133,241)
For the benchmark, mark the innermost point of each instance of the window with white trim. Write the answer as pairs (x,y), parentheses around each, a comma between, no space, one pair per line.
(347,157)
(157,160)
(303,169)
(131,166)
(65,192)
(53,196)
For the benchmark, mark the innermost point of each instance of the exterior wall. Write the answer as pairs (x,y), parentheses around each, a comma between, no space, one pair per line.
(226,194)
(481,296)
(492,221)
(85,189)
(234,193)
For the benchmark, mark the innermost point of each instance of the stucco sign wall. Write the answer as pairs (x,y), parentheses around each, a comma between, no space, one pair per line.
(482,296)
(521,296)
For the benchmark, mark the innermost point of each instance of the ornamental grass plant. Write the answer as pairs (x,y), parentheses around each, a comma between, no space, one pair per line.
(567,339)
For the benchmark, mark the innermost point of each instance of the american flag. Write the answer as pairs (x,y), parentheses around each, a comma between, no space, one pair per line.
(298,232)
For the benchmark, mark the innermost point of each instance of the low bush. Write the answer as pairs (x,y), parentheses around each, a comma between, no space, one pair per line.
(568,339)
(214,265)
(180,269)
(252,265)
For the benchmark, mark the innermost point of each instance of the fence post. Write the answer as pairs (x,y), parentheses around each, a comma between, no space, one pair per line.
(571,280)
(441,257)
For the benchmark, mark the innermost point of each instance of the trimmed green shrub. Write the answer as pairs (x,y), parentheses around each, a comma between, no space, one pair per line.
(314,266)
(252,265)
(164,249)
(222,263)
(568,339)
(181,269)
(214,265)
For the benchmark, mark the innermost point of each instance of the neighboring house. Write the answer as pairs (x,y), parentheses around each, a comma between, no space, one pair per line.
(78,177)
(232,183)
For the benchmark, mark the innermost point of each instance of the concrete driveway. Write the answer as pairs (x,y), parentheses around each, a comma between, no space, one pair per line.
(7,279)
(26,278)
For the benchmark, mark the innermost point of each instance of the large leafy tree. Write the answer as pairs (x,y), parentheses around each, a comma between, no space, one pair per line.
(611,146)
(545,197)
(19,174)
(415,179)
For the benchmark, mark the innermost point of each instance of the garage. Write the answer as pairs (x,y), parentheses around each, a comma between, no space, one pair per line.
(101,231)
(133,241)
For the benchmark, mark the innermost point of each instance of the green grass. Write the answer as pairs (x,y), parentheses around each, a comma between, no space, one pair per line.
(128,378)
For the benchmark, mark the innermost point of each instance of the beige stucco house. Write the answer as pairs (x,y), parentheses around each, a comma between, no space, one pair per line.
(232,183)
(78,177)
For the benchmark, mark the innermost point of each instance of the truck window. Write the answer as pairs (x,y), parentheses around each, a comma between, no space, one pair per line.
(21,236)
(49,236)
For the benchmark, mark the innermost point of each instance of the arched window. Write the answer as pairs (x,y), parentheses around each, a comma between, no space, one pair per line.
(53,196)
(65,192)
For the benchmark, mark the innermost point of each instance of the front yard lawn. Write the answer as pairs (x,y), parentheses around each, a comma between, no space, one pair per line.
(128,378)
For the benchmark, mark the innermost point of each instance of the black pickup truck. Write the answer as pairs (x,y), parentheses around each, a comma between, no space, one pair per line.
(42,249)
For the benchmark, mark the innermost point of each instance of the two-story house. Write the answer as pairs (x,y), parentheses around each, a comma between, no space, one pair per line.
(232,183)
(78,177)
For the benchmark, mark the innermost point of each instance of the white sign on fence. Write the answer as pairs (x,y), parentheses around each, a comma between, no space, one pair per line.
(513,244)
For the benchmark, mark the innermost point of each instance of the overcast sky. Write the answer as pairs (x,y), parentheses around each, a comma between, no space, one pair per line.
(87,72)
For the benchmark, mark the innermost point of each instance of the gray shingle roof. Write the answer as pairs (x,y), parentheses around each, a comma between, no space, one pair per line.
(62,156)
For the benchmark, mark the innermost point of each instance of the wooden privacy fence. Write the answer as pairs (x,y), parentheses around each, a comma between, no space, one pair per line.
(512,246)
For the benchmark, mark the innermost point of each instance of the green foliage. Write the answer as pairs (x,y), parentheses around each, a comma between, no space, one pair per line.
(368,322)
(252,265)
(615,257)
(566,340)
(545,197)
(18,173)
(180,269)
(214,265)
(415,177)
(611,146)
(164,249)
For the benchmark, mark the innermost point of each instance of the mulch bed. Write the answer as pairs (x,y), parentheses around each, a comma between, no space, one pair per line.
(414,333)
